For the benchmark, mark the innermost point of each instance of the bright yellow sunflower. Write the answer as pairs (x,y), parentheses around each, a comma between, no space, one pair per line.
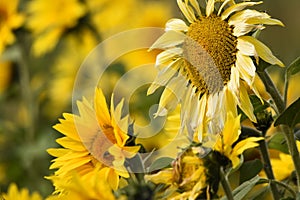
(48,20)
(10,19)
(89,186)
(223,143)
(93,140)
(207,63)
(185,180)
(14,194)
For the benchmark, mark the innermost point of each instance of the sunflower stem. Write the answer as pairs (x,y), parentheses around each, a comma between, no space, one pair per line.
(286,86)
(286,186)
(226,185)
(291,142)
(27,94)
(272,90)
(268,167)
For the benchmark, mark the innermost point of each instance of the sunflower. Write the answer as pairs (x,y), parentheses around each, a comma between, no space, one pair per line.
(10,19)
(93,140)
(48,20)
(90,186)
(207,64)
(227,144)
(14,193)
(185,180)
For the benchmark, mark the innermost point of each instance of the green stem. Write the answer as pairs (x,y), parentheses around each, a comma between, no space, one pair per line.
(27,95)
(287,187)
(272,90)
(293,151)
(25,86)
(226,185)
(268,168)
(286,86)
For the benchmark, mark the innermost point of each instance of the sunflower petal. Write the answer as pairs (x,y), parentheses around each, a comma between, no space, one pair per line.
(262,50)
(168,39)
(267,21)
(188,15)
(245,103)
(237,7)
(167,56)
(176,25)
(163,77)
(210,7)
(196,6)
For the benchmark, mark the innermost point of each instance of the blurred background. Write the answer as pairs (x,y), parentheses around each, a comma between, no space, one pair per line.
(38,66)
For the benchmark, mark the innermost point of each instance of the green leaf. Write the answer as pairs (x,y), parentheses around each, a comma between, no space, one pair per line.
(241,191)
(291,116)
(160,163)
(278,142)
(250,169)
(294,67)
(260,193)
(257,104)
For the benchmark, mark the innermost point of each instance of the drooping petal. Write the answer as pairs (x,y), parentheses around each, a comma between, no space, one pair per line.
(246,63)
(167,56)
(267,21)
(237,7)
(245,103)
(170,97)
(262,50)
(164,76)
(245,47)
(168,39)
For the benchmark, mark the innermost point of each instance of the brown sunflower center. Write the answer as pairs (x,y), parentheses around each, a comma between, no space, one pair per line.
(210,51)
(3,15)
(102,141)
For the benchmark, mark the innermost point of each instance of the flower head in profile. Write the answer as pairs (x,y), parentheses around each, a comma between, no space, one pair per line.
(185,180)
(14,193)
(208,64)
(10,19)
(49,20)
(226,142)
(93,140)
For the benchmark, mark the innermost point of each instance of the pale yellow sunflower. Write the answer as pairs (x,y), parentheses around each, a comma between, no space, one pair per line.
(223,143)
(93,140)
(14,193)
(185,180)
(48,20)
(207,63)
(10,19)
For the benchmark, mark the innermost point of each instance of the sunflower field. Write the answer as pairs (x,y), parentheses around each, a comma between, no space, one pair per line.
(149,99)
